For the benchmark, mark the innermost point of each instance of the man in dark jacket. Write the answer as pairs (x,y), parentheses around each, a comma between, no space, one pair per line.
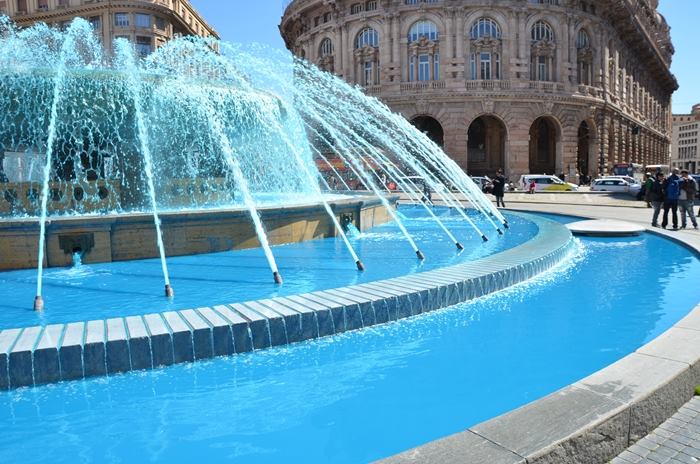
(499,188)
(656,197)
(672,191)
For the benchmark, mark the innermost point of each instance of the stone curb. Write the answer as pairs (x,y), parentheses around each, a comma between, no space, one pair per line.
(41,355)
(592,420)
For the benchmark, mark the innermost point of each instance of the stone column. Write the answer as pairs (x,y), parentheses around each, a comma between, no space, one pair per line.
(346,51)
(604,140)
(460,39)
(448,52)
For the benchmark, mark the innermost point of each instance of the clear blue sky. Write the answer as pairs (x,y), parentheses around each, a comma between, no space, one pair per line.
(256,21)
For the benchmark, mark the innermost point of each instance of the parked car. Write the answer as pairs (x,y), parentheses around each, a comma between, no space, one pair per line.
(608,184)
(545,183)
(484,183)
(630,180)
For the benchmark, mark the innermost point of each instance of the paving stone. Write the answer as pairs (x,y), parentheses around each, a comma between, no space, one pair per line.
(201,334)
(222,337)
(337,311)
(257,324)
(71,351)
(309,322)
(292,319)
(139,343)
(161,341)
(118,359)
(183,350)
(94,353)
(628,456)
(47,367)
(7,340)
(275,323)
(20,360)
(240,330)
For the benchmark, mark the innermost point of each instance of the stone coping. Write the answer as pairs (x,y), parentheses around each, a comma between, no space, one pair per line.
(592,420)
(40,355)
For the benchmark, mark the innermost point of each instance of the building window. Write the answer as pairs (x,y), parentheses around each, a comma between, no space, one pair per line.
(369,73)
(486,45)
(367,37)
(542,52)
(371,5)
(95,22)
(21,6)
(356,8)
(143,20)
(584,58)
(160,23)
(326,17)
(423,67)
(144,46)
(422,29)
(326,48)
(3,7)
(43,5)
(121,19)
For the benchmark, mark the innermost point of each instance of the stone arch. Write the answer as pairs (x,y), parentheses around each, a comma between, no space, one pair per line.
(487,136)
(409,20)
(431,127)
(545,145)
(496,15)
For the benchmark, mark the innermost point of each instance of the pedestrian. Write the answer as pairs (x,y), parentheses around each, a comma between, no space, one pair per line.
(648,182)
(499,187)
(672,191)
(533,186)
(686,199)
(656,197)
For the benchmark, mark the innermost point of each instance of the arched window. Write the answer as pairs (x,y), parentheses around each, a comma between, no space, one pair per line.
(582,40)
(486,47)
(423,52)
(367,56)
(422,29)
(542,52)
(485,27)
(584,58)
(326,48)
(367,37)
(542,31)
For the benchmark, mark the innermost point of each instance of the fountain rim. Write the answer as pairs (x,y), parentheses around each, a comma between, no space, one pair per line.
(562,425)
(428,291)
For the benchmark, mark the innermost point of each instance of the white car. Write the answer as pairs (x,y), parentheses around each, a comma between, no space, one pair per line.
(630,180)
(545,183)
(614,184)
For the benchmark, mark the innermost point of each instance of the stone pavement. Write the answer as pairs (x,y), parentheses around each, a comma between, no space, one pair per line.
(676,441)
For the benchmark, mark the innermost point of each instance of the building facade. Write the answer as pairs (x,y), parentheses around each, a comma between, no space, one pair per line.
(685,153)
(531,86)
(146,23)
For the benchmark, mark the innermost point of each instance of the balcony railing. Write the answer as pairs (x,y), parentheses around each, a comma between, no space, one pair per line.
(422,85)
(546,86)
(488,85)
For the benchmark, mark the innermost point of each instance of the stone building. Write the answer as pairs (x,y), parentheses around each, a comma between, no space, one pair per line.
(146,23)
(685,153)
(539,86)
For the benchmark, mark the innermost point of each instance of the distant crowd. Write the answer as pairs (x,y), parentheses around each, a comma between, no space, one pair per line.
(671,194)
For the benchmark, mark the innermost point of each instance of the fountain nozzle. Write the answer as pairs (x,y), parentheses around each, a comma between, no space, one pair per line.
(169,292)
(278,278)
(38,303)
(484,238)
(360,266)
(500,232)
(506,225)
(459,246)
(420,255)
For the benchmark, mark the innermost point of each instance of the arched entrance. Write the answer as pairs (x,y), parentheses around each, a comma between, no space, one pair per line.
(583,150)
(486,146)
(431,128)
(543,146)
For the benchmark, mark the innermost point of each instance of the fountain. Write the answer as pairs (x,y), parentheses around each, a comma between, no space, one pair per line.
(205,147)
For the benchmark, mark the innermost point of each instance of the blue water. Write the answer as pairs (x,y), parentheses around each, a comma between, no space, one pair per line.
(136,287)
(369,394)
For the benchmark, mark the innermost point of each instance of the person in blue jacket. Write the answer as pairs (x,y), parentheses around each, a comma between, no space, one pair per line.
(672,191)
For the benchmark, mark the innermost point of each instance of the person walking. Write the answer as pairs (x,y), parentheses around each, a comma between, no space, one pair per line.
(499,188)
(686,199)
(672,191)
(656,197)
